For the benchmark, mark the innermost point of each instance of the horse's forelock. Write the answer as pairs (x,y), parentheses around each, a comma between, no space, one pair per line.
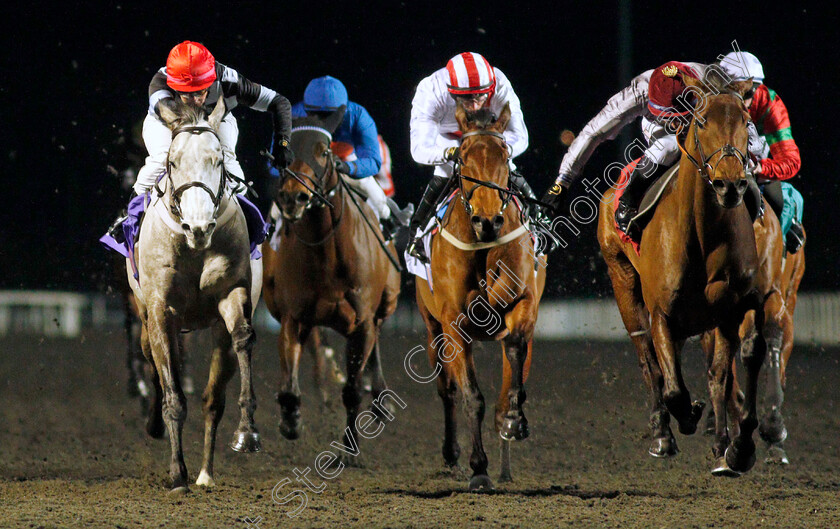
(481,118)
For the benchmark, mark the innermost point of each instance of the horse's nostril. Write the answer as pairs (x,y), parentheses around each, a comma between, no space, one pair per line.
(719,185)
(301,197)
(185,226)
(498,220)
(476,220)
(742,184)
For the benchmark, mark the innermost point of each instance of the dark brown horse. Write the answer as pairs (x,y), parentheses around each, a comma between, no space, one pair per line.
(329,270)
(779,281)
(485,287)
(697,272)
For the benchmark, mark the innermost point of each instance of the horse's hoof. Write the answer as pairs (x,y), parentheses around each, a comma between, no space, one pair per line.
(205,480)
(514,428)
(663,447)
(740,460)
(481,482)
(689,426)
(179,491)
(721,469)
(772,431)
(290,432)
(155,428)
(248,442)
(776,455)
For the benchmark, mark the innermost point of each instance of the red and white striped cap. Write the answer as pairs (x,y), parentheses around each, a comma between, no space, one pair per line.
(470,73)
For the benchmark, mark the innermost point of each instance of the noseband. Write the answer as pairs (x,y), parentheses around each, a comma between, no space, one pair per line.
(175,202)
(504,193)
(705,168)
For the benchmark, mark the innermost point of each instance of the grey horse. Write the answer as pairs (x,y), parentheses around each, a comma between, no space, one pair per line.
(195,272)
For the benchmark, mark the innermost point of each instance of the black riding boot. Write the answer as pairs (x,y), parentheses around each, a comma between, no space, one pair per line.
(435,189)
(638,182)
(115,230)
(795,237)
(520,185)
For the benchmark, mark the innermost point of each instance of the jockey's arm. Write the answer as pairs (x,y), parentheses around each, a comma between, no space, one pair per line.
(426,115)
(784,162)
(260,98)
(516,133)
(365,144)
(621,109)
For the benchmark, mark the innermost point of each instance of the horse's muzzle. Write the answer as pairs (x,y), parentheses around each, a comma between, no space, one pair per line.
(293,204)
(198,234)
(730,193)
(487,229)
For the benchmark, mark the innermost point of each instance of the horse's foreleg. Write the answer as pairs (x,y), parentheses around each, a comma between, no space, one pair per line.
(635,317)
(360,343)
(720,379)
(186,345)
(514,425)
(235,310)
(290,344)
(675,393)
(163,330)
(772,427)
(740,455)
(378,385)
(319,375)
(154,415)
(222,368)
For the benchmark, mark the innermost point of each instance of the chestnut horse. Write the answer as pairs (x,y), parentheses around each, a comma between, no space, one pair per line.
(697,272)
(193,259)
(329,270)
(779,279)
(484,287)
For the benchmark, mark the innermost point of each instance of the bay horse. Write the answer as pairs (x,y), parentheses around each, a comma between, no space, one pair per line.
(697,271)
(193,259)
(329,270)
(779,280)
(485,286)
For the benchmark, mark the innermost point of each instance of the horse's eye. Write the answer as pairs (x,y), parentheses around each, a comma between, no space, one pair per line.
(172,164)
(700,124)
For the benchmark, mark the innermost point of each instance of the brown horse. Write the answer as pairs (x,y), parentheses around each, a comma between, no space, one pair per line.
(329,270)
(485,287)
(697,272)
(779,280)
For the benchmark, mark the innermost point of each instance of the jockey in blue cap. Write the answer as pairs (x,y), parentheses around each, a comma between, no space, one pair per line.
(356,144)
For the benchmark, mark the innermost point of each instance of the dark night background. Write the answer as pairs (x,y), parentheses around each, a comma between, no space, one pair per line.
(75,82)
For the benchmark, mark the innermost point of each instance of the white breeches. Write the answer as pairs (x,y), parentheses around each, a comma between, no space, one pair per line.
(158,137)
(375,196)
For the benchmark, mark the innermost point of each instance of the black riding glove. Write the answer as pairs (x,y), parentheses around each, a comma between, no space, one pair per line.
(554,199)
(343,167)
(282,152)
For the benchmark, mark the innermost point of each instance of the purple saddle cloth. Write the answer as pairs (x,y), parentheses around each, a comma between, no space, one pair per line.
(257,228)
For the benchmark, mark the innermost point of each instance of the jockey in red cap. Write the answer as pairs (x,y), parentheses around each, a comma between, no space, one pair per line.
(435,136)
(193,77)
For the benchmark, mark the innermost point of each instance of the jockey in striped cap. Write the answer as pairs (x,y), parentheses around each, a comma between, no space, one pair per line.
(435,134)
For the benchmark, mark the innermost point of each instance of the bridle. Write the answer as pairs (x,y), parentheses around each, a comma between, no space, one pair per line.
(504,193)
(175,200)
(315,186)
(703,165)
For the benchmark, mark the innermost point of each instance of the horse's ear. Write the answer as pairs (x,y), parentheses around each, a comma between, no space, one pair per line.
(461,117)
(334,120)
(501,122)
(695,82)
(741,87)
(218,114)
(168,114)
